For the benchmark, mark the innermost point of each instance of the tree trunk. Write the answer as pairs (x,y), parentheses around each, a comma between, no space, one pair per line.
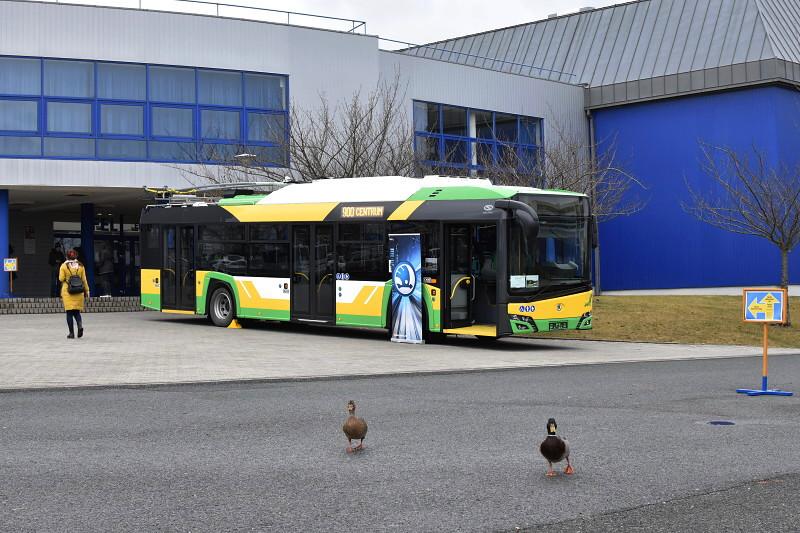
(597,289)
(785,283)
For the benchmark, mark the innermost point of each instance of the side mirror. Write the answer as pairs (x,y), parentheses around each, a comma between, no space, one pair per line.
(525,214)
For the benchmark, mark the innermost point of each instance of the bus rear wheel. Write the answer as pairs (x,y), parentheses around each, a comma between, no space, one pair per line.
(221,308)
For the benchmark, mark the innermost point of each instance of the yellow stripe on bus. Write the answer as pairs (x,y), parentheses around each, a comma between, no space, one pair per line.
(249,297)
(405,209)
(281,212)
(149,281)
(368,302)
(563,307)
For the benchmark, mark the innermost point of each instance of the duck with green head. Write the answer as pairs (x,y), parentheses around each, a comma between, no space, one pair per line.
(555,449)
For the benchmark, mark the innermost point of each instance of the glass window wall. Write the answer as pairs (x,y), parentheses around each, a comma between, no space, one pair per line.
(471,140)
(66,108)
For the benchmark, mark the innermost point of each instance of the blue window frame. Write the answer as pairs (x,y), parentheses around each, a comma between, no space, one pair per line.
(72,118)
(66,78)
(174,85)
(171,122)
(118,120)
(473,139)
(268,127)
(121,81)
(19,115)
(19,75)
(78,109)
(220,124)
(219,87)
(11,146)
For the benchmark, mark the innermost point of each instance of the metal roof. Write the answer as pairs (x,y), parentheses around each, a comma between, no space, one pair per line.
(644,49)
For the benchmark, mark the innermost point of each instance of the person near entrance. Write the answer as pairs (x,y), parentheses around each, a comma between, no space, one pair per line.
(74,288)
(105,270)
(55,260)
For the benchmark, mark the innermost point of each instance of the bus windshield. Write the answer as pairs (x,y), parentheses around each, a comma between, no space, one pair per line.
(560,256)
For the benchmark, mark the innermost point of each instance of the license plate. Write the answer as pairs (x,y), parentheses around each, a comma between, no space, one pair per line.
(558,325)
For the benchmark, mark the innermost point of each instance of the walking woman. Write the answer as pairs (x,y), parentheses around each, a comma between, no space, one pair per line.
(74,289)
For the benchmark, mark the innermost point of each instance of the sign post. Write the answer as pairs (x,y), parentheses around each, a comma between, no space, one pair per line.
(765,306)
(10,266)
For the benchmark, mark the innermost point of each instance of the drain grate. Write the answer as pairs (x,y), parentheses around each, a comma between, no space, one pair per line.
(722,423)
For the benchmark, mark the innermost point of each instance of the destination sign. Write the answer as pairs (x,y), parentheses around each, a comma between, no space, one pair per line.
(362,211)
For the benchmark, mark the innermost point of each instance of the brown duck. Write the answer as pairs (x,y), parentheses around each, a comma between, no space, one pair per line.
(555,449)
(354,428)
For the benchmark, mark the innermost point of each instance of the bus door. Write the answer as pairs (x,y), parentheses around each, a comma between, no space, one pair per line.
(313,261)
(459,283)
(178,272)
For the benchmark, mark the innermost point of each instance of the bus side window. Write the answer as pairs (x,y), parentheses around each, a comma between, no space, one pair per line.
(151,246)
(361,251)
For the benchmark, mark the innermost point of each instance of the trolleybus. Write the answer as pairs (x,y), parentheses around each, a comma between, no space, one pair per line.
(495,260)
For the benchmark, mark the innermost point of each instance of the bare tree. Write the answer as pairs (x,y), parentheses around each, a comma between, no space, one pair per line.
(750,197)
(366,135)
(570,163)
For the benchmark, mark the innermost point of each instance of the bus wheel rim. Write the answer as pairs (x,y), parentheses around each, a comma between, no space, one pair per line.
(223,306)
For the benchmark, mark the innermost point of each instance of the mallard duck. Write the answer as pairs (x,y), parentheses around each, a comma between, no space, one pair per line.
(555,449)
(354,428)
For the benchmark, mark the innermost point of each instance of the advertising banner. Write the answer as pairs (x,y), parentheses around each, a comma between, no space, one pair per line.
(405,261)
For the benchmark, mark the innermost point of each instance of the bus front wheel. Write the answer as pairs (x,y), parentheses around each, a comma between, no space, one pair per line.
(221,308)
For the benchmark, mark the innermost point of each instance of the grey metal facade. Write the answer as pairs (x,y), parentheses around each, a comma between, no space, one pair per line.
(644,49)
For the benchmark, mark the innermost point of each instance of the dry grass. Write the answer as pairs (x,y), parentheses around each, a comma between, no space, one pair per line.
(682,319)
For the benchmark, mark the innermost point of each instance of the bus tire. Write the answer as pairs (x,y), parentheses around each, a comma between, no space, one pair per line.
(222,307)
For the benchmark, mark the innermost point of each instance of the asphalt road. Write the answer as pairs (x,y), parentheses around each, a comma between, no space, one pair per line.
(444,453)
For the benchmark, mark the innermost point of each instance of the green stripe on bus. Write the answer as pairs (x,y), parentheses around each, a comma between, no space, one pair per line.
(225,278)
(519,327)
(434,320)
(360,320)
(243,199)
(264,314)
(462,193)
(151,301)
(387,295)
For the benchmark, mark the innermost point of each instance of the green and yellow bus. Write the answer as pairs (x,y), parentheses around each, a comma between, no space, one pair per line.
(495,260)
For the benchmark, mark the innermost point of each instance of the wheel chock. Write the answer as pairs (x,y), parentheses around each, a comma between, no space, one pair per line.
(234,324)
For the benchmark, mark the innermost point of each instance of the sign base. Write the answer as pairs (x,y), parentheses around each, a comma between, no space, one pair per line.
(764,392)
(406,341)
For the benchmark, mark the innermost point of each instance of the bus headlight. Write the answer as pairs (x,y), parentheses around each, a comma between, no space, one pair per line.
(524,324)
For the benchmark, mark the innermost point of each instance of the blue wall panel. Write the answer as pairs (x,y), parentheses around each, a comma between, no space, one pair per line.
(662,246)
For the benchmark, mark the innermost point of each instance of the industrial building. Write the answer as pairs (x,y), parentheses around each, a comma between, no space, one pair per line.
(98,102)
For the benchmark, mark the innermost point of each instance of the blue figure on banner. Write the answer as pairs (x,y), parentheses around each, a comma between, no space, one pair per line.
(404,278)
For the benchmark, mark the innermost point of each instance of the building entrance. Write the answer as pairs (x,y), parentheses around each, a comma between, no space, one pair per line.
(116,258)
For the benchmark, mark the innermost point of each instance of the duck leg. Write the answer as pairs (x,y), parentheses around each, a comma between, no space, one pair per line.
(360,445)
(550,471)
(569,470)
(349,448)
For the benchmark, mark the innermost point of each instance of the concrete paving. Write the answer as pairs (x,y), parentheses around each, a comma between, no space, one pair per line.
(153,348)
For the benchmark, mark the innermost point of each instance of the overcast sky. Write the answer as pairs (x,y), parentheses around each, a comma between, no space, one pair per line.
(421,21)
(411,21)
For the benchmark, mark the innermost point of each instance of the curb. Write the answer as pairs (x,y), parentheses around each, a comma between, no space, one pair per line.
(344,377)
